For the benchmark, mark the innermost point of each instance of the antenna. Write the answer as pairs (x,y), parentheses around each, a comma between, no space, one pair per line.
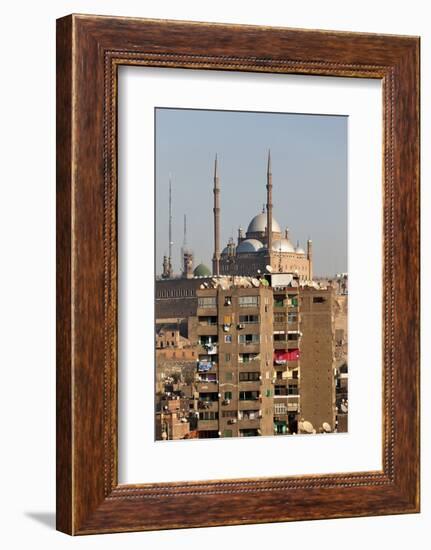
(170,227)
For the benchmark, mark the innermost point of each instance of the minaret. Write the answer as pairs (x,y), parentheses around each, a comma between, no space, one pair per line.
(310,259)
(216,210)
(269,204)
(186,255)
(170,231)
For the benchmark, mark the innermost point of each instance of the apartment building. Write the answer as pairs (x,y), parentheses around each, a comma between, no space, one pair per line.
(318,372)
(234,378)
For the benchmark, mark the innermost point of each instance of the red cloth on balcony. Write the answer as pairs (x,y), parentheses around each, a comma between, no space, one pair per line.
(282,356)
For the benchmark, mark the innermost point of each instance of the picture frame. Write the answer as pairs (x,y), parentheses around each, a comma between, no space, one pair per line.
(89,51)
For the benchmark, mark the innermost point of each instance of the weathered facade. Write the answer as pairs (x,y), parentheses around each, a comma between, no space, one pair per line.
(317,357)
(234,371)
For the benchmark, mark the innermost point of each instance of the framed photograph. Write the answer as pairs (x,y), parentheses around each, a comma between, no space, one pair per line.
(237,274)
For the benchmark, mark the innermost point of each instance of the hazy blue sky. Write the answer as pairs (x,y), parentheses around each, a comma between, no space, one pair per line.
(309,167)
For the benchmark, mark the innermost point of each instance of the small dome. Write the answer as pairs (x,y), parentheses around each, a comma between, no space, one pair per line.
(249,245)
(258,224)
(201,271)
(283,245)
(225,250)
(299,250)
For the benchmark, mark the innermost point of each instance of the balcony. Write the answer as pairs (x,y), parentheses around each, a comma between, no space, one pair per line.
(207,405)
(207,425)
(286,344)
(250,366)
(247,404)
(250,385)
(206,310)
(249,424)
(249,347)
(209,386)
(205,349)
(207,330)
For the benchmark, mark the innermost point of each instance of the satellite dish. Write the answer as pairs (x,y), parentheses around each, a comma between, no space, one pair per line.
(255,283)
(307,427)
(326,427)
(344,407)
(268,268)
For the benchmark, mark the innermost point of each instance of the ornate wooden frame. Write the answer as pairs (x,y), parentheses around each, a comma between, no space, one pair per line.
(89,51)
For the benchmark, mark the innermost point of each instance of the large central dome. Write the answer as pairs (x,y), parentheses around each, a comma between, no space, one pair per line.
(258,224)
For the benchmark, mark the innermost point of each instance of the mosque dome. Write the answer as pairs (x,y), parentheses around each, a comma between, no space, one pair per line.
(225,250)
(258,224)
(201,270)
(283,245)
(249,245)
(299,250)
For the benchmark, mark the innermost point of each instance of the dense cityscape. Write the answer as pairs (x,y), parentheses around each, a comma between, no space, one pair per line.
(255,346)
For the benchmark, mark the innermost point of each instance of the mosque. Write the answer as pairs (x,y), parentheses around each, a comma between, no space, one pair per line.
(264,244)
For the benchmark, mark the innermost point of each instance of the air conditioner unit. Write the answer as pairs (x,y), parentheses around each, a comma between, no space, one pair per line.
(240,326)
(226,402)
(232,421)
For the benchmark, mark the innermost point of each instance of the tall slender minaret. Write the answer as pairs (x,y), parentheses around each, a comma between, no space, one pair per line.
(310,259)
(269,204)
(216,210)
(170,272)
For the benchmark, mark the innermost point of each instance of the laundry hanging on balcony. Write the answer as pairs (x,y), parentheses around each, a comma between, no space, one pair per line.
(204,366)
(281,357)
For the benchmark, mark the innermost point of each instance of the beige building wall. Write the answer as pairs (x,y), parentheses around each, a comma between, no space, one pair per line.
(317,357)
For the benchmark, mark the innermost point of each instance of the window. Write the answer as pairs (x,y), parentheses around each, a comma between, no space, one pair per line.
(248,301)
(207,301)
(229,376)
(295,375)
(248,433)
(208,396)
(318,300)
(249,415)
(227,395)
(249,376)
(227,433)
(293,300)
(208,340)
(292,389)
(292,336)
(279,301)
(292,317)
(208,415)
(229,414)
(228,338)
(248,338)
(208,320)
(247,357)
(280,408)
(248,395)
(228,301)
(248,319)
(279,317)
(227,357)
